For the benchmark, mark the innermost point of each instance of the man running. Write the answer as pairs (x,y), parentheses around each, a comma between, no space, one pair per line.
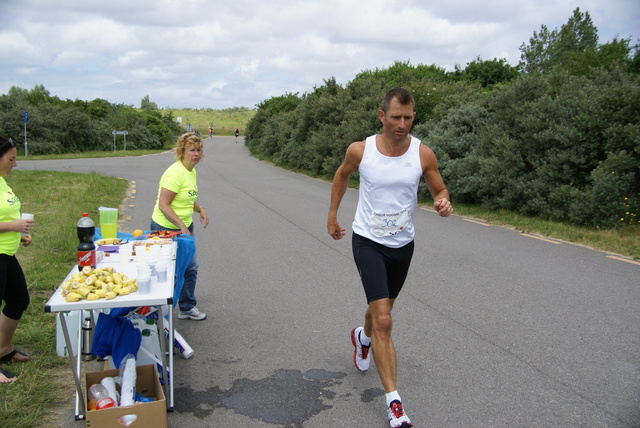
(390,166)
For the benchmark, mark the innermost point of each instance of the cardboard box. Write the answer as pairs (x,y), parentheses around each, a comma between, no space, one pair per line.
(153,414)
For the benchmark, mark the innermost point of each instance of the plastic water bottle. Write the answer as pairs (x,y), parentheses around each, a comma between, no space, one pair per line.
(86,249)
(99,397)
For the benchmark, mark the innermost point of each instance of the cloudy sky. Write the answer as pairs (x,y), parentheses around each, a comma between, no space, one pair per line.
(221,54)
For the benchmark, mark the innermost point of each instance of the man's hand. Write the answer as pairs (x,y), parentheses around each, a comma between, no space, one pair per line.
(443,207)
(334,229)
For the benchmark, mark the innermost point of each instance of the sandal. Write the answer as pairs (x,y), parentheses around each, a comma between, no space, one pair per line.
(10,357)
(8,375)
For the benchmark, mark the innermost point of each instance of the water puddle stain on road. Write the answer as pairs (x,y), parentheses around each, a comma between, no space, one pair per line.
(289,397)
(371,394)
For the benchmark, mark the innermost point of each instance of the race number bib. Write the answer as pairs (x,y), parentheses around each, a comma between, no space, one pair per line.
(388,224)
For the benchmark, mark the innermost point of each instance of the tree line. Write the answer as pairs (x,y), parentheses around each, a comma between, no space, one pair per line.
(557,136)
(58,126)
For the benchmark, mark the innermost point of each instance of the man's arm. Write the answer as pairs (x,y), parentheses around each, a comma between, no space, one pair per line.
(434,182)
(339,187)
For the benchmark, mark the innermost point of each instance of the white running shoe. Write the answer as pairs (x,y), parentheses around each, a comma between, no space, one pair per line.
(361,357)
(397,418)
(192,314)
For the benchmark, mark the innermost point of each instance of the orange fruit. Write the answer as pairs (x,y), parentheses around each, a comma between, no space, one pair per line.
(137,232)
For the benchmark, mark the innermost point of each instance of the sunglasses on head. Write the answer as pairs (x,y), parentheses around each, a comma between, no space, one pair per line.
(7,140)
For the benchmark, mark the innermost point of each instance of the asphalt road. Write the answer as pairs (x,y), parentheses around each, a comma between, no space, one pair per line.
(493,329)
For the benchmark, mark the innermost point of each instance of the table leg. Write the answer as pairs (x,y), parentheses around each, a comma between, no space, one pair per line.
(74,361)
(171,339)
(163,357)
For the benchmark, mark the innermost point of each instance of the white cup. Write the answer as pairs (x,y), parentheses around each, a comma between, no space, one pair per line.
(144,284)
(27,217)
(125,253)
(152,268)
(140,254)
(161,272)
(154,250)
(144,270)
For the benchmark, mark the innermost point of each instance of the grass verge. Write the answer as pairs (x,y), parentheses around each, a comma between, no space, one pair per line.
(624,241)
(93,154)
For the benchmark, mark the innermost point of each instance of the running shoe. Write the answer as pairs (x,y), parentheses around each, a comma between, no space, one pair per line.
(192,314)
(361,357)
(397,418)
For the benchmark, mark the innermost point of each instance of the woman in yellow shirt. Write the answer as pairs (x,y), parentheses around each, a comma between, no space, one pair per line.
(176,203)
(13,286)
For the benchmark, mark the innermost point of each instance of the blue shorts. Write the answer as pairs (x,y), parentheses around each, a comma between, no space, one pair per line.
(382,270)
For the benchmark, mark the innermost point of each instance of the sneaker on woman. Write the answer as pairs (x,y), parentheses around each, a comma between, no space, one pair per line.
(192,314)
(397,418)
(361,357)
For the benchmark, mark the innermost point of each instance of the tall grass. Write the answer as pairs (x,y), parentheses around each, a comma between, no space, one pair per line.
(57,199)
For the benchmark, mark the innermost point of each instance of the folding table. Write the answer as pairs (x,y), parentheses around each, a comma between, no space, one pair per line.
(161,294)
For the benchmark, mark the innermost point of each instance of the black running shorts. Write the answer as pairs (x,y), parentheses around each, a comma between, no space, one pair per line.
(382,270)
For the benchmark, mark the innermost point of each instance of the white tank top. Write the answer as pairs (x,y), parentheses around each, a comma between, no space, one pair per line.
(388,194)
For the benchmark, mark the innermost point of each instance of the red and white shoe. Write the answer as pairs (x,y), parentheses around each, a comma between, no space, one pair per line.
(361,357)
(397,417)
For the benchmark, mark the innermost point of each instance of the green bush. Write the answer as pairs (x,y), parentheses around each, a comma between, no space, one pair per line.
(559,146)
(63,126)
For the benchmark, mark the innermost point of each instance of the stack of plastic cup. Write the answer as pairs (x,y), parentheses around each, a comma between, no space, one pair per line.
(154,250)
(164,259)
(161,272)
(165,251)
(141,254)
(152,267)
(144,279)
(125,253)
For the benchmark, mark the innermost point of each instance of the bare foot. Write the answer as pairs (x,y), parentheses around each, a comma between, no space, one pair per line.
(7,376)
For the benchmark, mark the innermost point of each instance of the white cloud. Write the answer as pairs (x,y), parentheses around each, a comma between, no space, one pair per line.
(202,53)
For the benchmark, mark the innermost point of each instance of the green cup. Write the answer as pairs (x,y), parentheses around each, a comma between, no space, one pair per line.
(108,222)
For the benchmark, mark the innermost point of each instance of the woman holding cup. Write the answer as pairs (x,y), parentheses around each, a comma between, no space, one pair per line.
(14,231)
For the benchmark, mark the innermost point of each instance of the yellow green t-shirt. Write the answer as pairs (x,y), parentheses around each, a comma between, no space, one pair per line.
(182,182)
(9,211)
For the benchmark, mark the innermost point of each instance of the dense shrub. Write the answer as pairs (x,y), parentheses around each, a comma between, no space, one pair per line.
(63,126)
(558,139)
(557,145)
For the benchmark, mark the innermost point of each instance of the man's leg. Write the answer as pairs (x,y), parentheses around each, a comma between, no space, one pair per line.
(377,325)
